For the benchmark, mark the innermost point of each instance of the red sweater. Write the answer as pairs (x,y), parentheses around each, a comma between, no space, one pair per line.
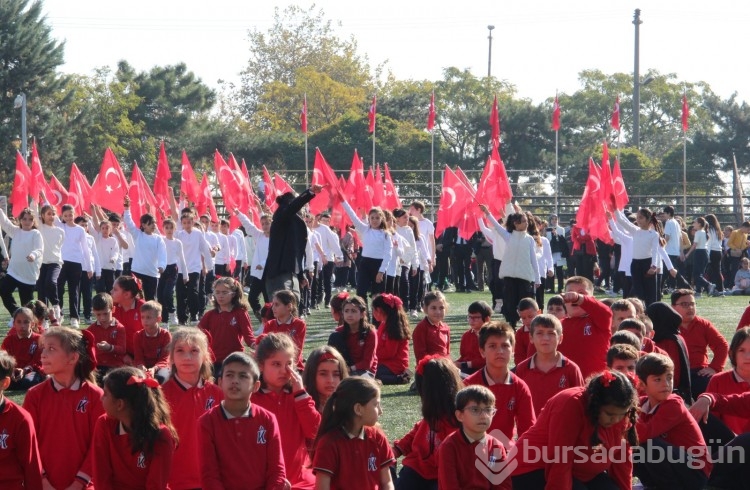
(420,447)
(65,419)
(523,348)
(699,335)
(131,320)
(227,329)
(431,339)
(649,347)
(25,351)
(587,337)
(362,349)
(512,400)
(565,423)
(729,383)
(457,460)
(298,423)
(671,421)
(187,404)
(353,462)
(117,468)
(745,319)
(241,453)
(114,335)
(392,353)
(151,351)
(738,405)
(672,349)
(544,386)
(469,350)
(20,465)
(297,330)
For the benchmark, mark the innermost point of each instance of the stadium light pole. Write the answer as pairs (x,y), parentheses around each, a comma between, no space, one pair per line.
(20,103)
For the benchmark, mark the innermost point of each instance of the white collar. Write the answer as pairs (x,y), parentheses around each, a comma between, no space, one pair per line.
(74,387)
(229,416)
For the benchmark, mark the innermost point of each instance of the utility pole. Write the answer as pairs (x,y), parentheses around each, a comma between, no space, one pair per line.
(489,57)
(637,82)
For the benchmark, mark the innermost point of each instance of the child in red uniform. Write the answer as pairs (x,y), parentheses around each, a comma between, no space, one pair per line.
(638,328)
(556,307)
(470,360)
(66,407)
(622,309)
(228,323)
(337,302)
(736,380)
(286,321)
(240,441)
(587,328)
(20,465)
(393,339)
(283,394)
(527,310)
(150,344)
(134,440)
(356,339)
(431,335)
(457,458)
(623,358)
(664,423)
(23,344)
(512,395)
(190,393)
(597,422)
(667,336)
(547,372)
(109,335)
(438,380)
(324,370)
(127,295)
(349,450)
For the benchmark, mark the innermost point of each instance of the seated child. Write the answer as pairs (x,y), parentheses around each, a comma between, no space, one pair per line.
(622,309)
(556,307)
(470,360)
(638,328)
(432,335)
(41,314)
(527,311)
(735,381)
(150,351)
(667,336)
(356,339)
(23,344)
(324,370)
(109,334)
(623,358)
(742,278)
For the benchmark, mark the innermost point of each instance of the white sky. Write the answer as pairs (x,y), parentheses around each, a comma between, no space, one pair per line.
(538,45)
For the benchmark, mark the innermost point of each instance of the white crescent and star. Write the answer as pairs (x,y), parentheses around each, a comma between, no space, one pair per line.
(450,192)
(58,195)
(106,174)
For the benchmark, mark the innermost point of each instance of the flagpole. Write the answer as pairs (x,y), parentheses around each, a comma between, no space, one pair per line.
(557,175)
(432,174)
(373,147)
(684,175)
(307,168)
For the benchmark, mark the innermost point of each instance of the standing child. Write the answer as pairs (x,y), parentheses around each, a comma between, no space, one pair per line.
(23,344)
(109,335)
(168,280)
(134,440)
(646,235)
(190,393)
(75,256)
(438,381)
(151,259)
(527,310)
(261,237)
(356,339)
(393,339)
(240,441)
(66,406)
(283,394)
(150,344)
(228,322)
(20,466)
(52,237)
(286,321)
(431,335)
(127,294)
(699,249)
(471,360)
(350,449)
(418,280)
(324,370)
(108,248)
(26,250)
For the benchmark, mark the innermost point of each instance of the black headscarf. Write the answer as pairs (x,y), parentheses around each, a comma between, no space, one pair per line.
(667,327)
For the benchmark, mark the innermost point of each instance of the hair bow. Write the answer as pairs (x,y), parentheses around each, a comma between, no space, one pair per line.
(327,356)
(421,364)
(392,300)
(148,381)
(137,282)
(343,295)
(607,378)
(89,344)
(268,306)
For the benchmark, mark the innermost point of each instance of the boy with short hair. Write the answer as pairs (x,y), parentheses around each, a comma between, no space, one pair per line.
(638,328)
(556,307)
(623,358)
(150,344)
(527,310)
(457,455)
(20,465)
(547,372)
(238,437)
(109,334)
(622,309)
(512,395)
(471,360)
(664,422)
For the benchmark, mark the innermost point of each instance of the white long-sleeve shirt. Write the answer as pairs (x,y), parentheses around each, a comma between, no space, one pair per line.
(94,259)
(329,242)
(195,247)
(409,259)
(544,258)
(223,255)
(519,260)
(626,246)
(152,252)
(645,242)
(175,254)
(23,244)
(53,237)
(498,244)
(260,248)
(423,254)
(394,267)
(376,244)
(109,251)
(241,253)
(75,247)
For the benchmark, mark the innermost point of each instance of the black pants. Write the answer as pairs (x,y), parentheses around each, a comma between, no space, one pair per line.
(149,285)
(165,290)
(221,270)
(409,479)
(316,287)
(663,465)
(70,274)
(368,271)
(416,290)
(187,297)
(560,275)
(87,286)
(698,383)
(484,261)
(535,480)
(461,267)
(585,265)
(8,284)
(342,277)
(496,286)
(257,287)
(206,290)
(442,269)
(714,269)
(46,285)
(644,285)
(539,295)
(387,377)
(238,272)
(106,281)
(730,467)
(605,274)
(626,284)
(515,290)
(403,286)
(126,267)
(327,274)
(391,284)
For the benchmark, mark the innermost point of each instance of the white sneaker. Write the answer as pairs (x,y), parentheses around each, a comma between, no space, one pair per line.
(173,319)
(10,322)
(414,314)
(74,323)
(498,306)
(45,325)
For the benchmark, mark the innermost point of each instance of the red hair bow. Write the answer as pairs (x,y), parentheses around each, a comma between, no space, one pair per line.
(137,282)
(268,306)
(421,364)
(392,300)
(327,356)
(607,378)
(343,295)
(148,381)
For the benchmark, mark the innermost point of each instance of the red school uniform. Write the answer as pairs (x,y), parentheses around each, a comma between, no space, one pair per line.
(65,419)
(429,339)
(115,335)
(730,383)
(544,386)
(672,349)
(649,347)
(187,403)
(457,460)
(151,351)
(20,465)
(392,353)
(420,447)
(587,337)
(298,423)
(699,335)
(565,423)
(241,453)
(25,351)
(131,320)
(227,329)
(296,328)
(744,319)
(671,421)
(353,460)
(512,400)
(523,348)
(362,348)
(469,350)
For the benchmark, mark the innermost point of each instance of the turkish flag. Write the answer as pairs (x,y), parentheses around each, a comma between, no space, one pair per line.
(495,122)
(111,186)
(252,205)
(378,191)
(189,185)
(161,180)
(228,185)
(281,185)
(608,197)
(38,182)
(80,184)
(142,200)
(270,189)
(205,203)
(390,195)
(618,187)
(431,115)
(240,188)
(19,196)
(339,218)
(467,219)
(453,201)
(591,215)
(556,115)
(356,187)
(303,116)
(494,189)
(616,114)
(58,195)
(372,113)
(323,175)
(685,113)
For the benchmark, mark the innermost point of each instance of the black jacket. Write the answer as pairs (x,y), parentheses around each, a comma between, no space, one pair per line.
(288,238)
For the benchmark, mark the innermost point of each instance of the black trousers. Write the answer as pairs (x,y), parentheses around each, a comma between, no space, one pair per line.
(206,290)
(535,480)
(187,297)
(496,286)
(515,290)
(368,271)
(416,290)
(409,479)
(46,285)
(149,285)
(643,285)
(442,268)
(342,277)
(70,274)
(165,290)
(326,274)
(8,284)
(403,286)
(664,465)
(106,281)
(732,472)
(257,287)
(87,286)
(316,287)
(714,269)
(461,267)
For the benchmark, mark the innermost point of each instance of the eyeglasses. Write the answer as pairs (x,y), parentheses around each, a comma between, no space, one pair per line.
(686,304)
(476,411)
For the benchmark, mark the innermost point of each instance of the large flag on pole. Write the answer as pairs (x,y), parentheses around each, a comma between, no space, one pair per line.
(80,184)
(58,195)
(390,195)
(495,122)
(618,187)
(303,116)
(323,175)
(494,189)
(19,196)
(607,193)
(556,115)
(206,200)
(38,183)
(356,192)
(591,214)
(189,185)
(111,185)
(373,113)
(616,114)
(142,201)
(685,113)
(431,115)
(161,181)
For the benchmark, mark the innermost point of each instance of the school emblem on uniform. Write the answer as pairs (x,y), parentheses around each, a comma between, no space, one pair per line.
(512,403)
(293,332)
(587,330)
(563,382)
(141,463)
(136,316)
(233,321)
(32,348)
(209,403)
(82,403)
(4,439)
(371,466)
(113,335)
(261,435)
(491,460)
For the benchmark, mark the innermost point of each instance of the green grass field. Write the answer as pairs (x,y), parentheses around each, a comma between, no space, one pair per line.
(401,407)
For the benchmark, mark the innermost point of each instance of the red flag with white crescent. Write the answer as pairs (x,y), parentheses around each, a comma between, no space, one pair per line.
(58,195)
(391,199)
(19,196)
(556,115)
(618,187)
(189,185)
(111,186)
(431,115)
(38,183)
(161,180)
